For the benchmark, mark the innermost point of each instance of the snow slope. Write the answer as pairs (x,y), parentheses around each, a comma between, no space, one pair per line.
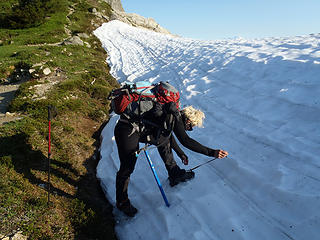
(262,103)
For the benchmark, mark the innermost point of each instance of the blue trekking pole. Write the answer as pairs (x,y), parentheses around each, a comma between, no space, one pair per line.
(157,178)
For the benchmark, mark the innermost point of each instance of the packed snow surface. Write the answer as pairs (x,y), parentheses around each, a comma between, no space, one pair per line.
(262,103)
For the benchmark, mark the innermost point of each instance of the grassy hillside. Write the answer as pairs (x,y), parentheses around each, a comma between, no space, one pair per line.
(77,86)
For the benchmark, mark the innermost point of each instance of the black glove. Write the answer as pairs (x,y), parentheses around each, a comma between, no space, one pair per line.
(184,159)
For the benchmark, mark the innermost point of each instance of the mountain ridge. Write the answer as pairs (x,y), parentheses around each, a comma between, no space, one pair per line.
(134,19)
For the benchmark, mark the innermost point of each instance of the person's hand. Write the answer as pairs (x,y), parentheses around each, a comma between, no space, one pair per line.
(184,159)
(220,153)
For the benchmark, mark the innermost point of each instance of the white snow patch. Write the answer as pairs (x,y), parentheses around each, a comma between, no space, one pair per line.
(269,187)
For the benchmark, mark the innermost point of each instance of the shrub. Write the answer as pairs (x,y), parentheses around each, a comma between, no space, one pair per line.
(28,13)
(7,161)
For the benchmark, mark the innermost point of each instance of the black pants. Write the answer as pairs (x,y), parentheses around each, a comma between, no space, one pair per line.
(128,143)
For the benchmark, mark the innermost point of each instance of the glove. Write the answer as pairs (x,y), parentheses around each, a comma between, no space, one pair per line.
(184,159)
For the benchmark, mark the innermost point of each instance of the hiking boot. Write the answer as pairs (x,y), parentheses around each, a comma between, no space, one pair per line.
(127,208)
(182,177)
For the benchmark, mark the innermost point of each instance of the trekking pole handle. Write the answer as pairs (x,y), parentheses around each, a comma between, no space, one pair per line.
(49,112)
(52,112)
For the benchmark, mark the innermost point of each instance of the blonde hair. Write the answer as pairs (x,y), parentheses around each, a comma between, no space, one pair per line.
(194,115)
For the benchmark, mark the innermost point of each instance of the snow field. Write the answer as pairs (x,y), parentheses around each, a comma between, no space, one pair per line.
(261,100)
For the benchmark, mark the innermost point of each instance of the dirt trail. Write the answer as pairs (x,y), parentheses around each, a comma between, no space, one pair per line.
(6,95)
(7,92)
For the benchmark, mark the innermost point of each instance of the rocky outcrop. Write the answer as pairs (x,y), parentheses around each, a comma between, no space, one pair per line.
(133,19)
(138,21)
(115,4)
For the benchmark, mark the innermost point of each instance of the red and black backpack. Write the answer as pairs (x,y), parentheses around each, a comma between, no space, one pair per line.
(134,100)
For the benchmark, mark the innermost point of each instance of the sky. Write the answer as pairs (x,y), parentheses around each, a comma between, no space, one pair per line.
(216,19)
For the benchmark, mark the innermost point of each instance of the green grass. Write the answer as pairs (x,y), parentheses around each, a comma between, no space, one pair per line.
(5,6)
(78,209)
(15,44)
(20,203)
(51,31)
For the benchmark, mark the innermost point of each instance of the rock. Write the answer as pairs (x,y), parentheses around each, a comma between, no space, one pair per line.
(37,65)
(19,236)
(136,20)
(46,71)
(75,40)
(31,70)
(106,18)
(83,35)
(115,4)
(96,25)
(98,14)
(93,10)
(132,19)
(16,236)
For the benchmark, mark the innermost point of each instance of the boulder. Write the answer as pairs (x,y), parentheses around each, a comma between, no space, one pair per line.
(46,71)
(75,40)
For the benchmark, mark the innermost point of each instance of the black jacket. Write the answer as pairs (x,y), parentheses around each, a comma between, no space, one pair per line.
(170,120)
(188,142)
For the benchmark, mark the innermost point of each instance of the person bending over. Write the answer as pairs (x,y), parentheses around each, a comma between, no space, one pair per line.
(158,129)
